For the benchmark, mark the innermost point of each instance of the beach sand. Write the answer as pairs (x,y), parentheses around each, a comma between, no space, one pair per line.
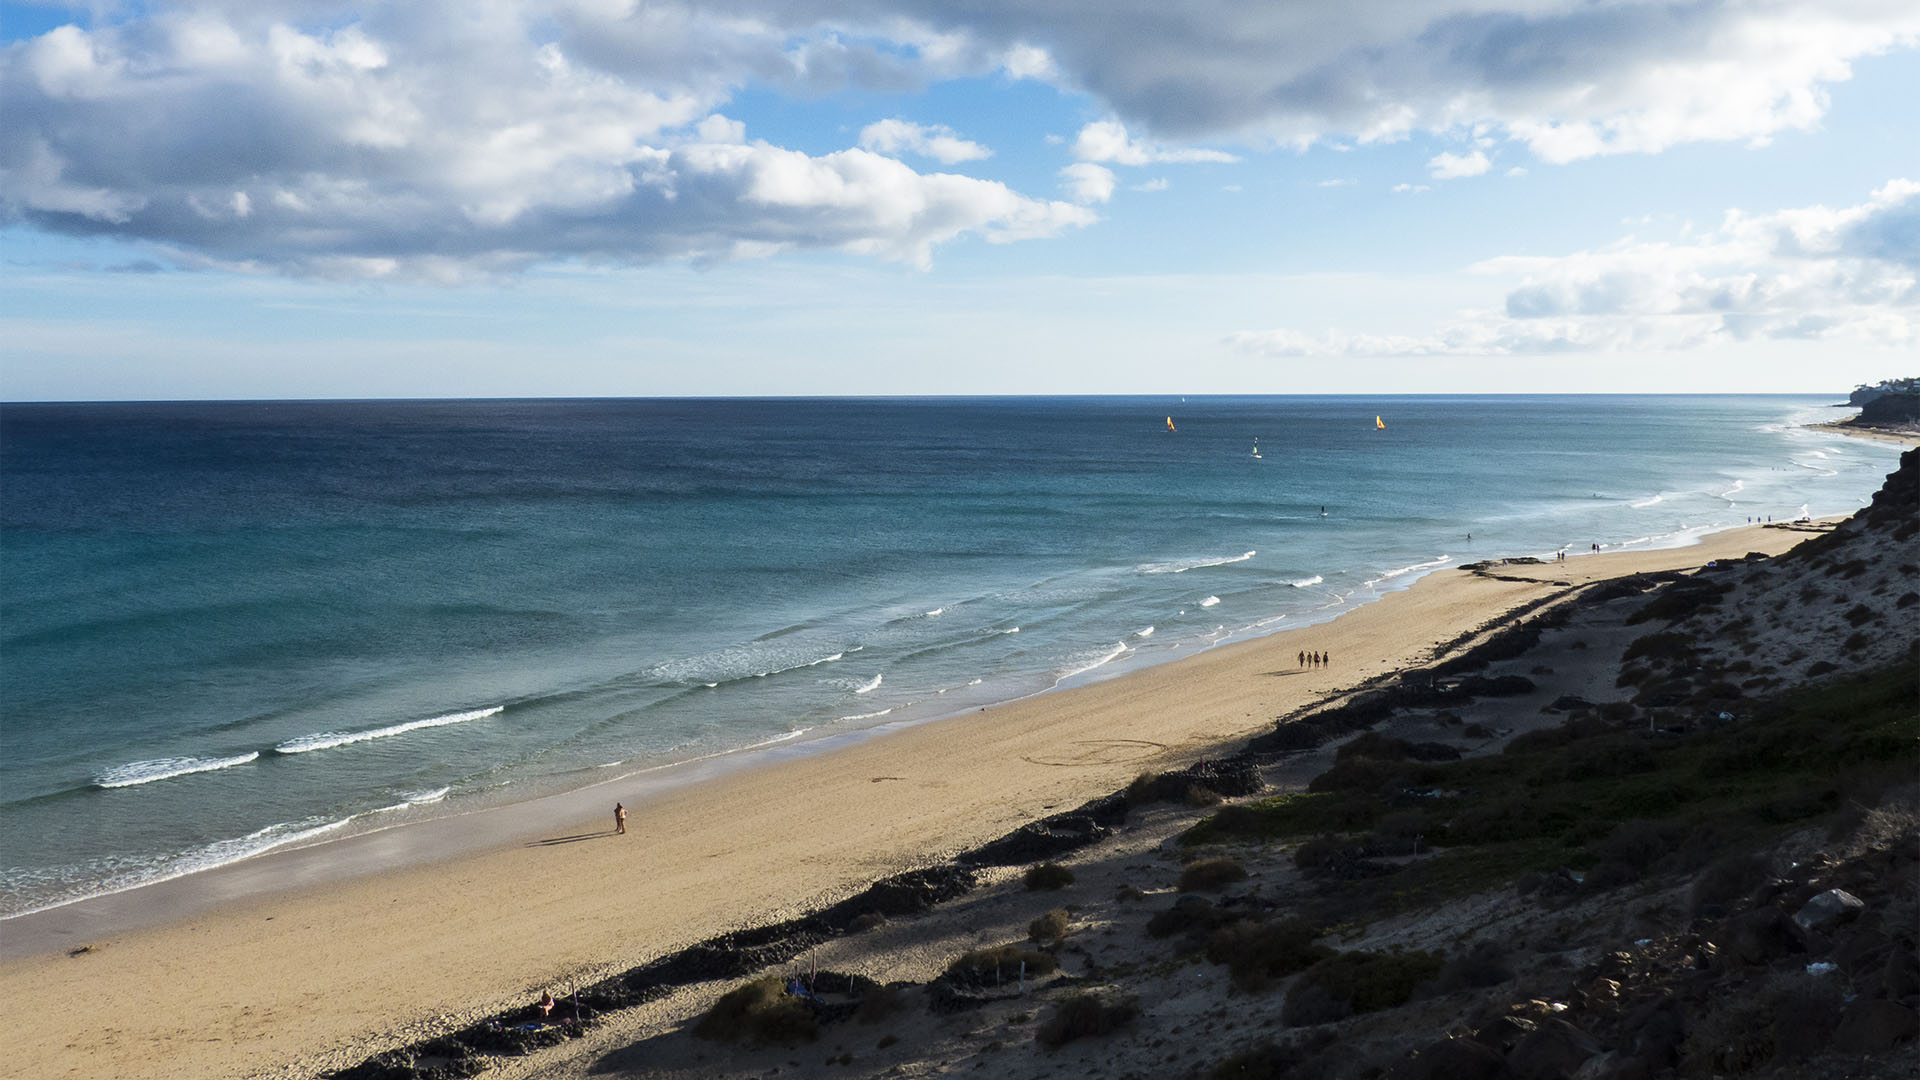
(313,959)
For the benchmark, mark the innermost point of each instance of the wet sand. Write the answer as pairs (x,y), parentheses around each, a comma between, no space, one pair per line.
(312,959)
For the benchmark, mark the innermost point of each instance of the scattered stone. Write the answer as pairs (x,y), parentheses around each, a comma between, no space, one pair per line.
(1828,909)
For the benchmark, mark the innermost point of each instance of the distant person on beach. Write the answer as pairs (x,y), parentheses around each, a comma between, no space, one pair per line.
(1303,658)
(1326,658)
(547,1003)
(619,819)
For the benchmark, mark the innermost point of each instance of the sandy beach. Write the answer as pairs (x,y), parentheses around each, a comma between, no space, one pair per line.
(307,960)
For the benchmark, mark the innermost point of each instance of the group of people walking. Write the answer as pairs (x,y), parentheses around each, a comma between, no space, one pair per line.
(1313,659)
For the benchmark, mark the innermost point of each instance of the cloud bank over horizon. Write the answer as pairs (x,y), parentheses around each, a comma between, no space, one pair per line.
(444,141)
(1809,273)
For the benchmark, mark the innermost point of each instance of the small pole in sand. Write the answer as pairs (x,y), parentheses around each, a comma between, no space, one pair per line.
(1023,978)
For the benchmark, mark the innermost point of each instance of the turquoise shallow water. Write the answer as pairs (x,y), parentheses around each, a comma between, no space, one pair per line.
(233,626)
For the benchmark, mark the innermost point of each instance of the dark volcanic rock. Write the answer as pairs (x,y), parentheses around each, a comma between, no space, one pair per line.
(1453,1059)
(1551,1051)
(1037,841)
(1874,1027)
(902,894)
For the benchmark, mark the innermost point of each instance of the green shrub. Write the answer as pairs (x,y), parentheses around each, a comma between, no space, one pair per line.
(761,1013)
(1048,876)
(1199,796)
(1210,874)
(1372,744)
(1666,645)
(1357,982)
(1145,789)
(1187,913)
(1082,1015)
(1255,954)
(1049,927)
(1001,964)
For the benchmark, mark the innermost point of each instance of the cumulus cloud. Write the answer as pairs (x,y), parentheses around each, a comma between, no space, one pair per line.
(1108,141)
(439,145)
(1569,78)
(1087,182)
(935,141)
(1453,166)
(1851,273)
(282,133)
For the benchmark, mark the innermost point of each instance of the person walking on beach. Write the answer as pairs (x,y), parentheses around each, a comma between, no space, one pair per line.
(1303,658)
(619,819)
(1325,659)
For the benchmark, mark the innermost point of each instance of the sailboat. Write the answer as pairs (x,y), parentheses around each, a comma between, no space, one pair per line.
(1379,424)
(1256,446)
(1170,426)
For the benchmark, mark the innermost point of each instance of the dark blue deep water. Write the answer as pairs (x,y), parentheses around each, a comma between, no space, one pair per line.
(233,626)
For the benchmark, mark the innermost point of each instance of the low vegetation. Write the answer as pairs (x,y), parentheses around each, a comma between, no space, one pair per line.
(1594,795)
(1048,877)
(759,1013)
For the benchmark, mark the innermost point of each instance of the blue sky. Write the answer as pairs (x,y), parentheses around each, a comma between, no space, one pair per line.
(323,198)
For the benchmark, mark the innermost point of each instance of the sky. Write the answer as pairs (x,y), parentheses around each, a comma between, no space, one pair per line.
(508,198)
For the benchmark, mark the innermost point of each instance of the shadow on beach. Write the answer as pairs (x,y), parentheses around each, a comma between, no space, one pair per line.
(552,840)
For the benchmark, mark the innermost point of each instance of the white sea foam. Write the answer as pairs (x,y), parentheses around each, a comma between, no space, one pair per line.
(1108,657)
(327,740)
(1183,566)
(146,772)
(133,874)
(871,715)
(1644,503)
(417,798)
(1148,632)
(1734,490)
(1404,570)
(935,612)
(976,682)
(869,687)
(1210,601)
(1304,582)
(1012,630)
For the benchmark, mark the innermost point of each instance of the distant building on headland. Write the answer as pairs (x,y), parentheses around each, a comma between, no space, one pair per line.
(1864,393)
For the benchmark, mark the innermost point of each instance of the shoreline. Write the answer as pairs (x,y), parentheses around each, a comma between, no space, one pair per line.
(457,915)
(498,824)
(239,838)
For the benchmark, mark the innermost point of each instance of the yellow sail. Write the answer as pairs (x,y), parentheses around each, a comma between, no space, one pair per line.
(1379,424)
(1170,426)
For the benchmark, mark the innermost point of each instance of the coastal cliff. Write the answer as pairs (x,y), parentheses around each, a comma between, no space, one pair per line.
(1658,825)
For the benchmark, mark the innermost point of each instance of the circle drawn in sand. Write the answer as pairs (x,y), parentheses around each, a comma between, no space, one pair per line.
(1102,752)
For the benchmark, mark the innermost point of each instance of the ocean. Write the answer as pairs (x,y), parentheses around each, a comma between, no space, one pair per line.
(227,628)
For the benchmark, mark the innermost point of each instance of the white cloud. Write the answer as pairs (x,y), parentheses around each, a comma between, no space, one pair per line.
(1849,274)
(1087,182)
(1517,171)
(442,144)
(519,130)
(1569,79)
(1158,183)
(1448,166)
(1413,189)
(935,141)
(1342,182)
(1107,140)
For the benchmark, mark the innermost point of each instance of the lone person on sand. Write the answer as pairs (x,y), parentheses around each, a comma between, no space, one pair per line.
(619,819)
